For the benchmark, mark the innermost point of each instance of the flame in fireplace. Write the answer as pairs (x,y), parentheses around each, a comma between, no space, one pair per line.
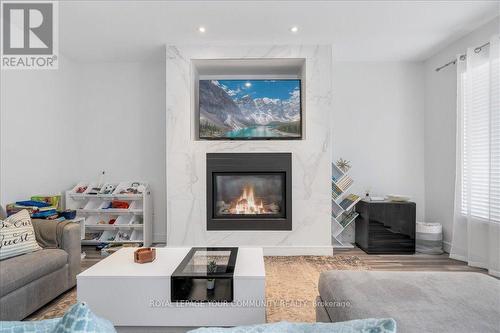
(247,203)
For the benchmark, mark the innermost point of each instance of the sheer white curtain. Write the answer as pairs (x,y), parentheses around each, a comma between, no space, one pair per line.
(476,228)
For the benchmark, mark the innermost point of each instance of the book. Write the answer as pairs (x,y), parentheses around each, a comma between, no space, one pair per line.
(32,203)
(349,201)
(44,214)
(51,200)
(347,218)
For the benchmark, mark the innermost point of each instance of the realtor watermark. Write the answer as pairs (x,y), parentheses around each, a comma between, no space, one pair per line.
(282,303)
(30,35)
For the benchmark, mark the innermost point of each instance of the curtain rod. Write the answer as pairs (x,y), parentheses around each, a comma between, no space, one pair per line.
(462,57)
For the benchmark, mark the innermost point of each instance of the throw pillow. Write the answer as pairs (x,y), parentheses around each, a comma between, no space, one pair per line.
(42,326)
(17,235)
(370,325)
(79,319)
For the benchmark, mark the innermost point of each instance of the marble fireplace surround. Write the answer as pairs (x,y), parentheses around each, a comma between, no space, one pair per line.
(311,156)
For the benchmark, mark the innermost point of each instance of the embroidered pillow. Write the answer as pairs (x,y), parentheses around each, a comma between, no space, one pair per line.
(17,235)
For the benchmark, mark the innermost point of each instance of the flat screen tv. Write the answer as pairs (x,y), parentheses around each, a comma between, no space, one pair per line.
(250,109)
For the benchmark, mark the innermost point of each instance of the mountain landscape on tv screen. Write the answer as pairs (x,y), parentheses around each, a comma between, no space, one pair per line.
(249,109)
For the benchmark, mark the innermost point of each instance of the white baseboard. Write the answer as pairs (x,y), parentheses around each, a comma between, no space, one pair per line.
(298,250)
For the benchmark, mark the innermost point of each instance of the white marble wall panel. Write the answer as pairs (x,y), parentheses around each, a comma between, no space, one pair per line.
(186,156)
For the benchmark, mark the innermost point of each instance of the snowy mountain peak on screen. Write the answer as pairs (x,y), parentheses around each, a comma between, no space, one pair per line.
(231,108)
(266,110)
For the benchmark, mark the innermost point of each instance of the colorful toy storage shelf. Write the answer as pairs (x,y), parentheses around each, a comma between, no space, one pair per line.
(343,206)
(113,212)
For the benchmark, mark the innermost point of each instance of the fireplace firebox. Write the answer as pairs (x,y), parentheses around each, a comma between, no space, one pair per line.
(249,191)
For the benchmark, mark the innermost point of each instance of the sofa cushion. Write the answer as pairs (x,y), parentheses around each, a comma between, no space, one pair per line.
(418,301)
(21,270)
(17,235)
(370,325)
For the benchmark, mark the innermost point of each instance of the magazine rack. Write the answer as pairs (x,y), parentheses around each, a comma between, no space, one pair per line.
(343,206)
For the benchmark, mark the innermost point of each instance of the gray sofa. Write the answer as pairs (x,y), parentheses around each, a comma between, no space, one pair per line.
(29,281)
(418,301)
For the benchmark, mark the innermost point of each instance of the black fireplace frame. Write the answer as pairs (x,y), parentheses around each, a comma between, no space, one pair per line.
(250,163)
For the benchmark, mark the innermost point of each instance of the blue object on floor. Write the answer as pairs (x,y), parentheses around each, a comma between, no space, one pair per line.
(78,319)
(370,325)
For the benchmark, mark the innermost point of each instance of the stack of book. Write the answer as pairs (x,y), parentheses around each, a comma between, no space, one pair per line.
(39,207)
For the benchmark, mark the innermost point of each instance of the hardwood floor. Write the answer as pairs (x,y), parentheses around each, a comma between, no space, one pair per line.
(414,262)
(385,262)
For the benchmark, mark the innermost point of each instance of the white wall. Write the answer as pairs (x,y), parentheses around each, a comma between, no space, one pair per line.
(378,125)
(440,128)
(121,127)
(59,127)
(37,119)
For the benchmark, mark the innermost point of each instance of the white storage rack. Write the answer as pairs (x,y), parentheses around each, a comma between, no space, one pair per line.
(132,225)
(341,217)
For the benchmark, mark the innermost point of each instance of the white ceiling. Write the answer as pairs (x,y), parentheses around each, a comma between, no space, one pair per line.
(359,30)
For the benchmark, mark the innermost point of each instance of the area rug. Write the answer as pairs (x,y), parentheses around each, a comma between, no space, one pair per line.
(292,284)
(291,287)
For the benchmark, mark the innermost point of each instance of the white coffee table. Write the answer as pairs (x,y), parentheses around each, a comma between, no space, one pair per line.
(138,295)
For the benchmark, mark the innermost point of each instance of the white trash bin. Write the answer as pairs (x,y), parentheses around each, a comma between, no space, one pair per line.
(429,238)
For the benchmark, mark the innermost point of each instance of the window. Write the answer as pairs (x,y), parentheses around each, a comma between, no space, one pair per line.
(480,145)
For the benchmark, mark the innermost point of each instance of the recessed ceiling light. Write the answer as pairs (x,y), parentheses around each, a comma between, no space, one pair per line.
(248,84)
(294,29)
(202,29)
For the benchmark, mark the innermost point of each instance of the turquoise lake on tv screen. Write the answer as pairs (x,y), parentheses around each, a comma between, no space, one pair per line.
(255,132)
